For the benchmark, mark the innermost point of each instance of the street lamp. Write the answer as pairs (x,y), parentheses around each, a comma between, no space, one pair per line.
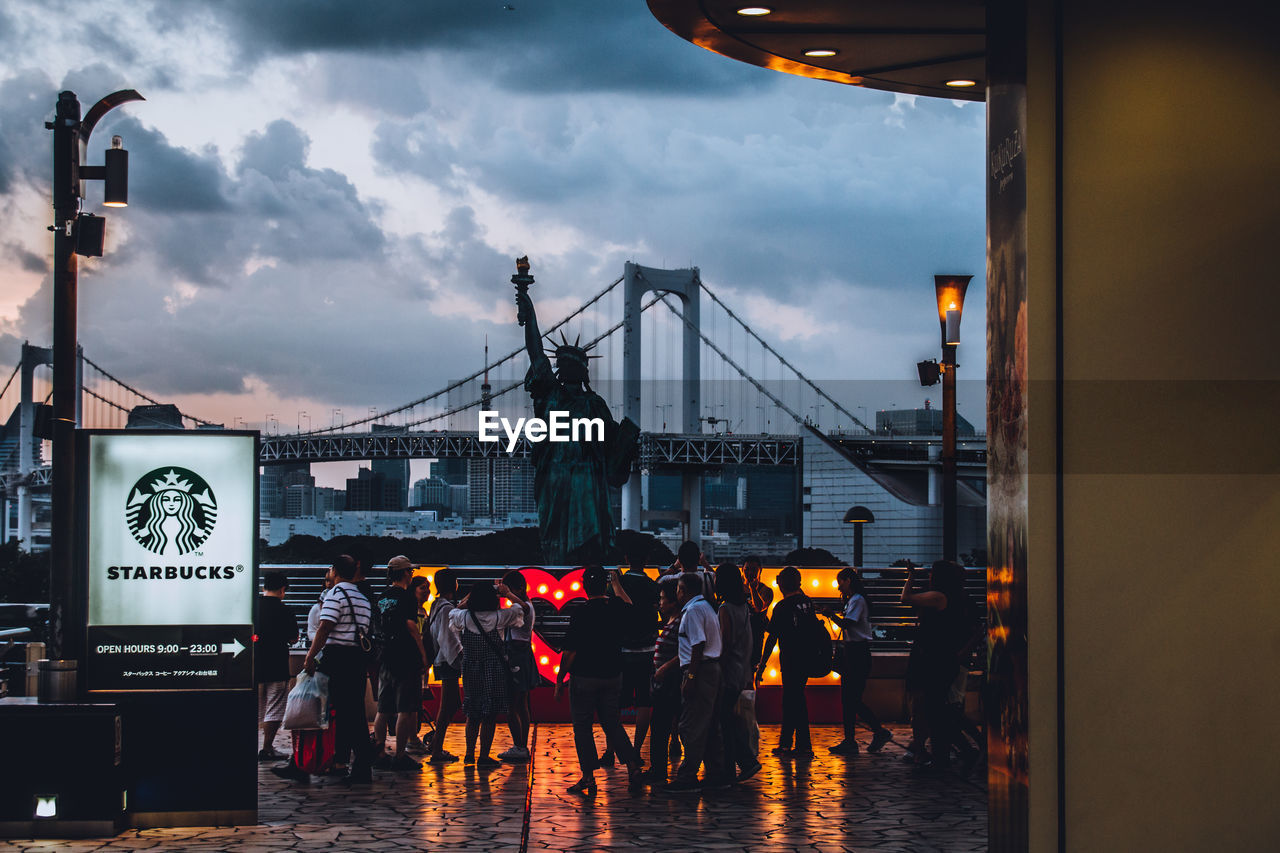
(858,516)
(74,233)
(950,292)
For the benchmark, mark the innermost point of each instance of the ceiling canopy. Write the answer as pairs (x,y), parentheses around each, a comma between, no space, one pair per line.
(913,46)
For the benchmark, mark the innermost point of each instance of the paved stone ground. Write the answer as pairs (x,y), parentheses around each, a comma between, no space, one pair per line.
(863,802)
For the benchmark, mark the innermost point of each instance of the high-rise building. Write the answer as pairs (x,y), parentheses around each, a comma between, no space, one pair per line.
(744,499)
(272,484)
(327,499)
(460,501)
(299,501)
(158,416)
(452,471)
(430,492)
(372,491)
(499,486)
(926,421)
(395,473)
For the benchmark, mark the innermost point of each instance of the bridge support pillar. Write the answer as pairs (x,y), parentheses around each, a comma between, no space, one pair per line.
(24,517)
(632,503)
(32,357)
(685,284)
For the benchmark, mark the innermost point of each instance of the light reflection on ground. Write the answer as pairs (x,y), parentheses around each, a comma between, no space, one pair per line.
(831,803)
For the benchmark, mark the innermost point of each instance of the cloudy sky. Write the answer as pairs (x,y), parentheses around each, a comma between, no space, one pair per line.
(326,198)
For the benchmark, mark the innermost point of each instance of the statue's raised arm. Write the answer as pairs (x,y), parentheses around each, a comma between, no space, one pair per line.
(525,315)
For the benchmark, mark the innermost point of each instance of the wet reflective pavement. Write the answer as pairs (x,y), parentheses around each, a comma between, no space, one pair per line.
(831,803)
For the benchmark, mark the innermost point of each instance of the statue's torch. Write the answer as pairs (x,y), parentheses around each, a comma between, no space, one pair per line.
(521,280)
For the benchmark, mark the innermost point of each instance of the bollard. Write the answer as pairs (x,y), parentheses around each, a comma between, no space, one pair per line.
(57,681)
(35,651)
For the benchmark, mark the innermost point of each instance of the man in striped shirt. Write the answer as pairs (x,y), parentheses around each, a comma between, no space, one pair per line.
(337,651)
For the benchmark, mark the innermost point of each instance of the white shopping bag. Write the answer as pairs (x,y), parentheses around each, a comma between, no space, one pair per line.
(308,703)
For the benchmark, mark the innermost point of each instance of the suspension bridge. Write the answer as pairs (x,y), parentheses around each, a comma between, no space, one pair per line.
(707,389)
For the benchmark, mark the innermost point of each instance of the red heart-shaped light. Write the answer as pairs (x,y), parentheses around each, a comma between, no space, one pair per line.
(559,592)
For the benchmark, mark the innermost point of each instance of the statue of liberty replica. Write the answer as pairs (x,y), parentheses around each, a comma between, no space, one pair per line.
(571,479)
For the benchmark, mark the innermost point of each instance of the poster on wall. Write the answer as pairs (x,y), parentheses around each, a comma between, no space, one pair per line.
(170,538)
(1007,482)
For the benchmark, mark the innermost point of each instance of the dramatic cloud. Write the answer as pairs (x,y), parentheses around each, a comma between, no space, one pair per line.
(326,198)
(534,46)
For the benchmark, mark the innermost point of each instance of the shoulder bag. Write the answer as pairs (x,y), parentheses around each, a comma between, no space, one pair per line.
(363,641)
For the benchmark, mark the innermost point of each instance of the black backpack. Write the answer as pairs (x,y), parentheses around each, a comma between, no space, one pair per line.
(820,650)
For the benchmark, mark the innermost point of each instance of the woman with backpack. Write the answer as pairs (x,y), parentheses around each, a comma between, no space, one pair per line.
(790,626)
(854,622)
(481,624)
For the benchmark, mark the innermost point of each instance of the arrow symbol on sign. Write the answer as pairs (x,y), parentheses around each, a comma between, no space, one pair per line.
(234,647)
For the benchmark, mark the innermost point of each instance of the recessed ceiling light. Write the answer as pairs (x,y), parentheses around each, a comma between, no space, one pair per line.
(961,84)
(821,51)
(755,11)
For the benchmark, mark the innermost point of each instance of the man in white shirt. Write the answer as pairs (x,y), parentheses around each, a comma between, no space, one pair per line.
(699,653)
(344,614)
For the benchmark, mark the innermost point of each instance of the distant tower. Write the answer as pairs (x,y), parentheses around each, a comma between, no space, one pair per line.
(486,399)
(486,390)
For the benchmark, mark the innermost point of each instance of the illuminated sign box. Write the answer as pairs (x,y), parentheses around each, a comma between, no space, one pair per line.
(171,534)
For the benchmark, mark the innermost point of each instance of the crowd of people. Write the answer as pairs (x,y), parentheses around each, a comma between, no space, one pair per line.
(685,651)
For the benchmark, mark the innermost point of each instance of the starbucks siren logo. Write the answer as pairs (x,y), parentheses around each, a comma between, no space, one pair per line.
(171,510)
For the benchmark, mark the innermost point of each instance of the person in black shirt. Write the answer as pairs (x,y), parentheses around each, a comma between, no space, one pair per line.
(943,636)
(403,660)
(593,656)
(637,649)
(275,630)
(786,625)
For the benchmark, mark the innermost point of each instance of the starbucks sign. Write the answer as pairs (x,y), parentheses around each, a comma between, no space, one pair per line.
(171,533)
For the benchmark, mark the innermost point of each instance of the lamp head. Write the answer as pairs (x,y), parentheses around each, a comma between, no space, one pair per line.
(950,291)
(115,190)
(859,515)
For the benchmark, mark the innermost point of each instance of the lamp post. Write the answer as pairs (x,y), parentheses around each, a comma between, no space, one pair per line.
(74,233)
(950,292)
(858,516)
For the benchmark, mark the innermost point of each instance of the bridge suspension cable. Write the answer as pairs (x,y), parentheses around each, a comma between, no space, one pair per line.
(126,386)
(459,383)
(741,372)
(519,383)
(780,358)
(10,382)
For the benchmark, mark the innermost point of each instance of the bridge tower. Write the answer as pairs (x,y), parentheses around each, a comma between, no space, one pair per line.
(32,357)
(685,284)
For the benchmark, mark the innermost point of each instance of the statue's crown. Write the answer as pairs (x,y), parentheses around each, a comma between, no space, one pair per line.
(572,351)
